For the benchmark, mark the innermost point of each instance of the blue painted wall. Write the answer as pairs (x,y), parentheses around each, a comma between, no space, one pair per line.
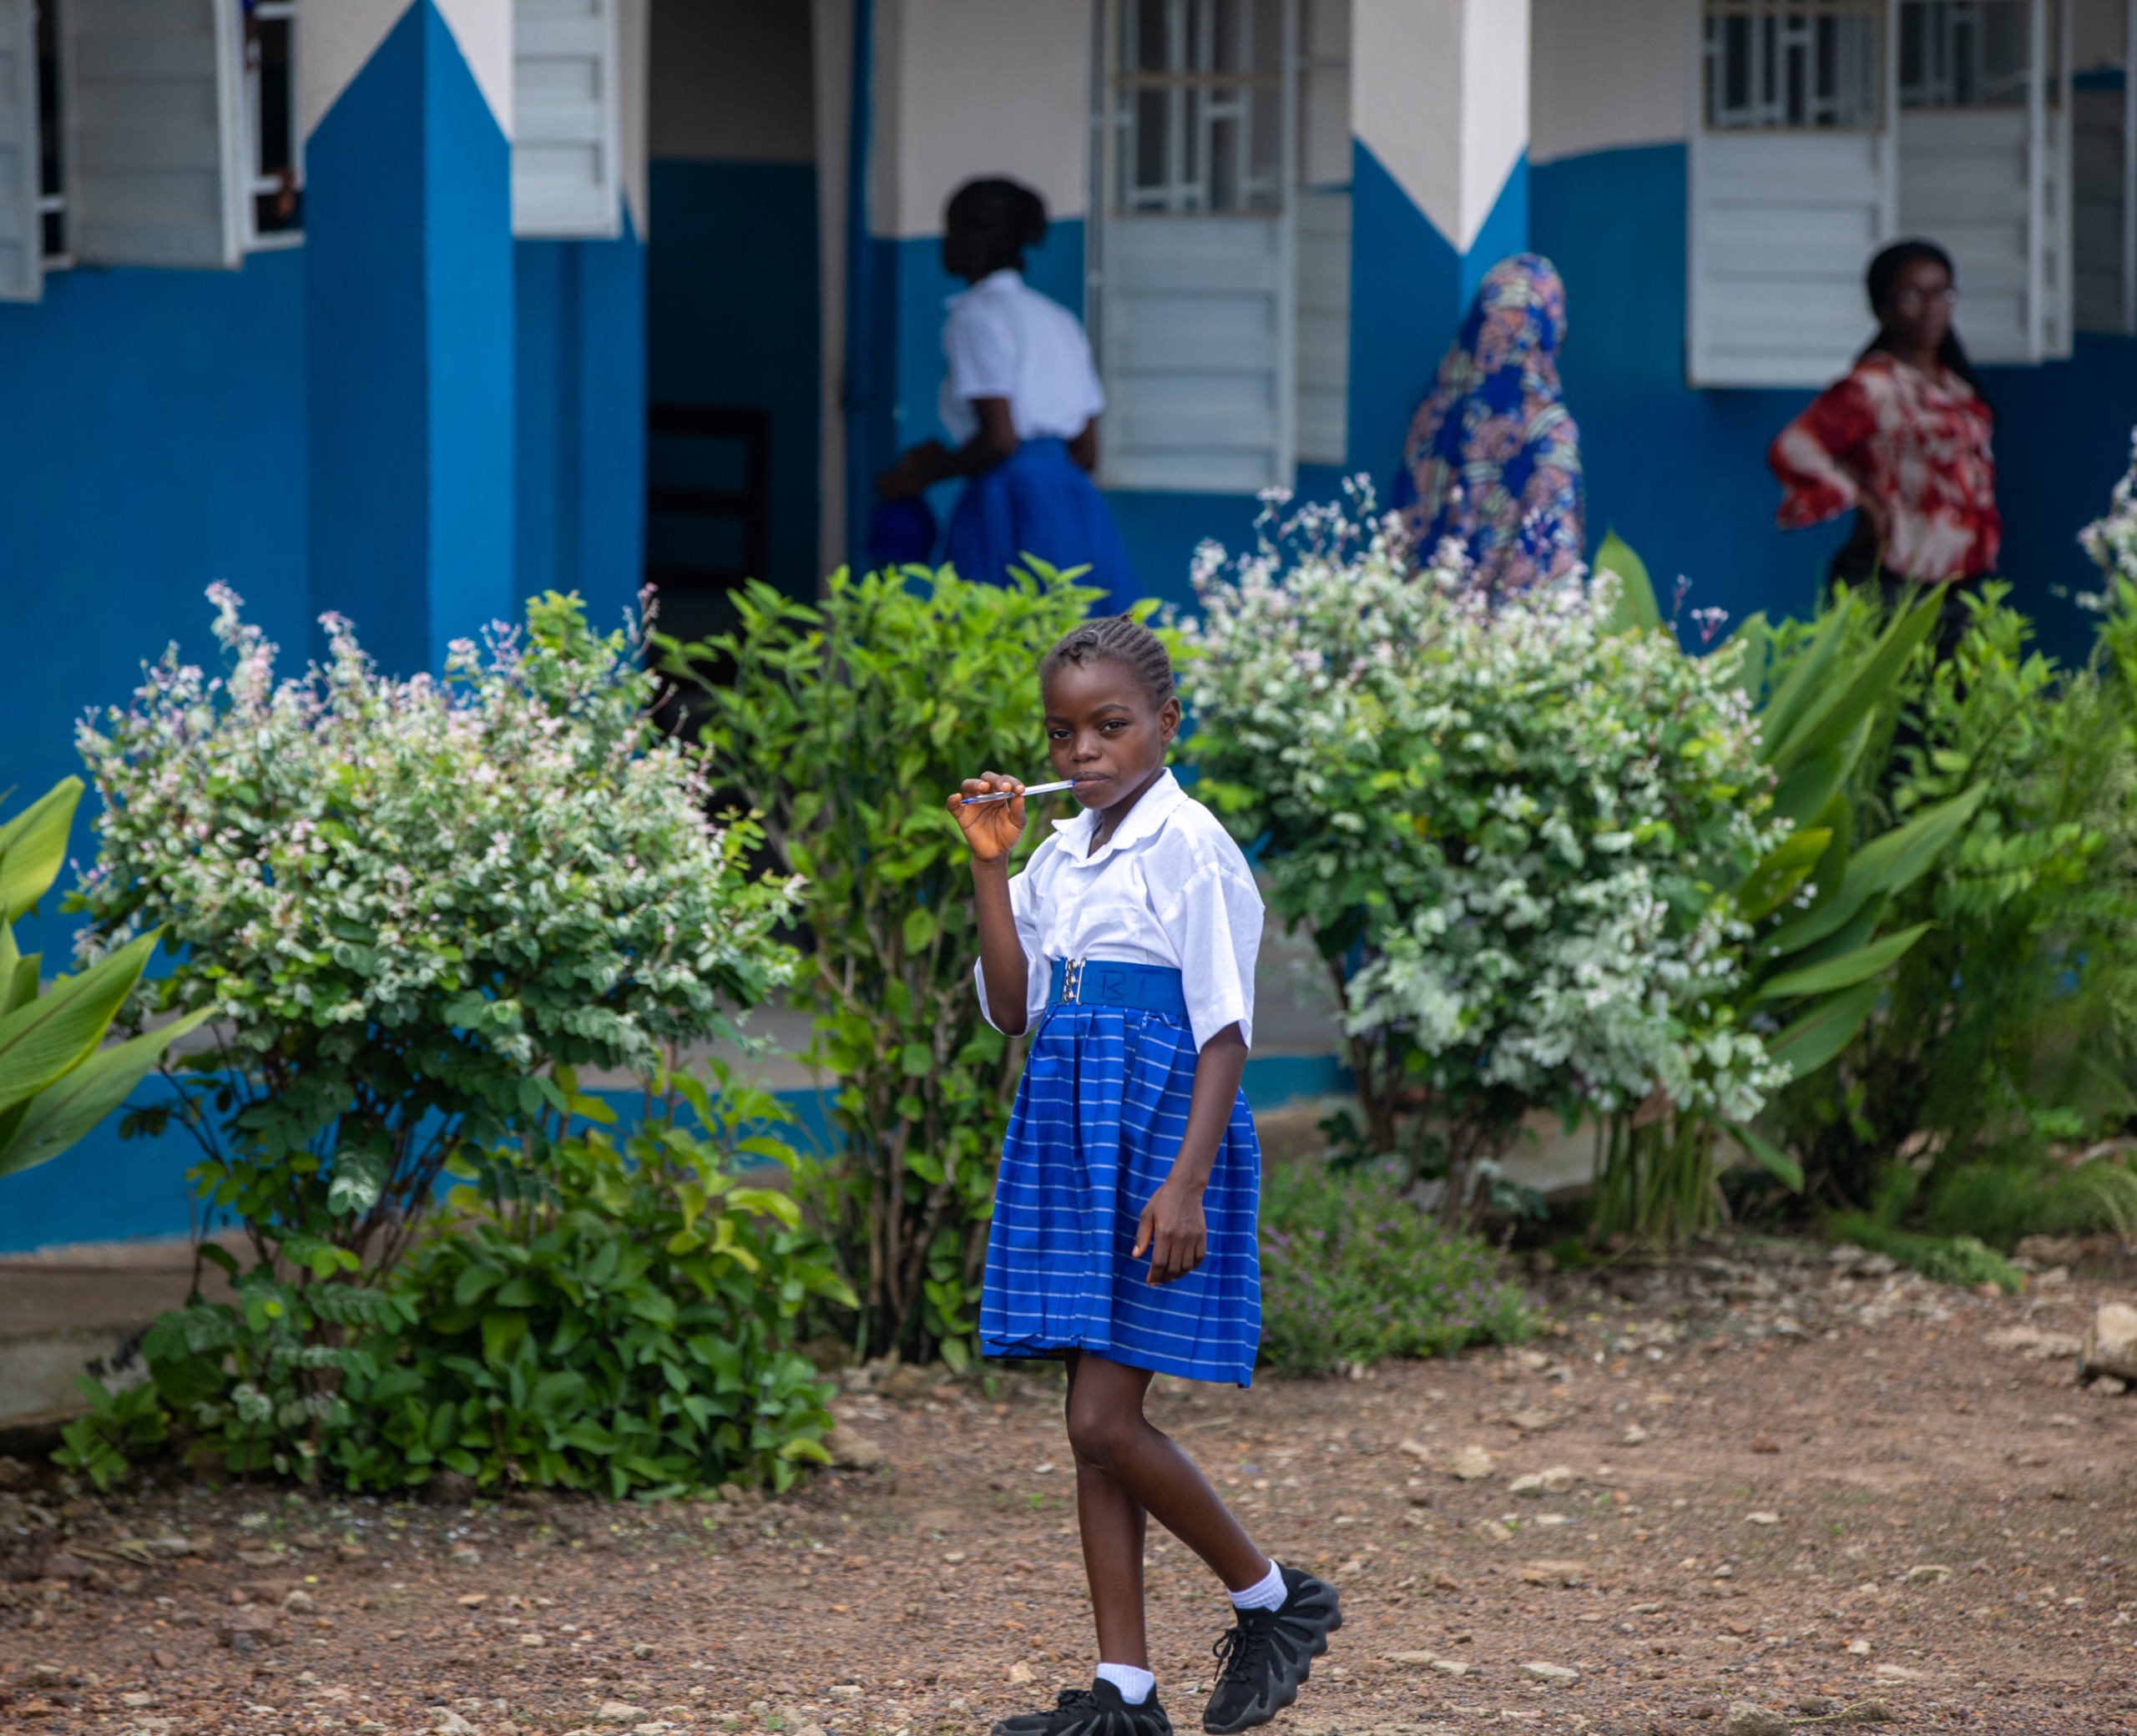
(579,493)
(1681,474)
(410,357)
(152,442)
(733,317)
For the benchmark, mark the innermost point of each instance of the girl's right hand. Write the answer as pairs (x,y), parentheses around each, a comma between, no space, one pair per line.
(992,829)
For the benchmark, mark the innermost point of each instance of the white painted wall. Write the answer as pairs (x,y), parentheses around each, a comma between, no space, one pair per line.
(338,38)
(1439,93)
(733,82)
(965,88)
(1607,73)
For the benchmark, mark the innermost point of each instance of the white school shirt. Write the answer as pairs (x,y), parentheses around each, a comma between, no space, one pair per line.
(1169,888)
(1004,340)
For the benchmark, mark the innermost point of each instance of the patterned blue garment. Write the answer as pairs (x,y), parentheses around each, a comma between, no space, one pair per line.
(1098,1118)
(1492,458)
(1038,502)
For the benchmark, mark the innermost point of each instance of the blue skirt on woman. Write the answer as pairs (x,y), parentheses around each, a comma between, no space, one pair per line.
(1098,1121)
(1037,502)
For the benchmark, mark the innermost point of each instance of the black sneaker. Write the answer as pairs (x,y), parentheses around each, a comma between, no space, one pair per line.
(1097,1710)
(1263,1662)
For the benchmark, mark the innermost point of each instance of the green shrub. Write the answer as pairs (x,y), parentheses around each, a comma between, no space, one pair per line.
(614,1316)
(1352,1271)
(260,1385)
(123,1427)
(2013,1021)
(1507,825)
(403,902)
(1948,1259)
(847,725)
(595,1314)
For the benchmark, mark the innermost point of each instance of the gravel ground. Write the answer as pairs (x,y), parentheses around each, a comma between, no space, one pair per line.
(1759,1477)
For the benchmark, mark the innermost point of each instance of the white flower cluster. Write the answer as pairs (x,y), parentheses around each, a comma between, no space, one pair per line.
(505,863)
(1516,822)
(2112,541)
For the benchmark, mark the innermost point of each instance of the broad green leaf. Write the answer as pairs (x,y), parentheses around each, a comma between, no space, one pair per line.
(1804,682)
(1850,968)
(1754,637)
(66,1111)
(919,928)
(1777,1161)
(1824,1031)
(34,847)
(1774,882)
(1891,862)
(62,1028)
(1830,719)
(1636,609)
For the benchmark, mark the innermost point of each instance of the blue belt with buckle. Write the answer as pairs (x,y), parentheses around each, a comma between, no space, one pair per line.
(1094,982)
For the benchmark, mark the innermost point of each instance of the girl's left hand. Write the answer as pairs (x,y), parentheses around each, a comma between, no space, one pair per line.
(1172,1228)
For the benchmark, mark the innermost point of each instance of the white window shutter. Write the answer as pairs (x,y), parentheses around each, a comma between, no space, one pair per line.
(1992,186)
(567,157)
(22,278)
(1324,325)
(1197,317)
(2105,249)
(153,150)
(1782,220)
(1782,225)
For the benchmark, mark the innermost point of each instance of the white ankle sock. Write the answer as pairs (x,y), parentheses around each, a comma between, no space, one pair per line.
(1134,1684)
(1268,1594)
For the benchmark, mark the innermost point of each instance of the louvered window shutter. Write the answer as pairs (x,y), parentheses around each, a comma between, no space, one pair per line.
(567,177)
(2104,195)
(1793,186)
(21,279)
(153,137)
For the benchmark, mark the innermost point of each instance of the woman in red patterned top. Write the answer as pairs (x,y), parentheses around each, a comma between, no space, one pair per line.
(1905,440)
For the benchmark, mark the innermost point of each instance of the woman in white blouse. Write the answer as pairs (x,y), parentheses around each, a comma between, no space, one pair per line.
(1020,397)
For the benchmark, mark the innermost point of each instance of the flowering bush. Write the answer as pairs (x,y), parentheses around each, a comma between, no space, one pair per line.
(1508,826)
(405,902)
(1353,1272)
(845,724)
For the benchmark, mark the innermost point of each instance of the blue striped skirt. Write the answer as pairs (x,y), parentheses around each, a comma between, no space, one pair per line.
(1098,1118)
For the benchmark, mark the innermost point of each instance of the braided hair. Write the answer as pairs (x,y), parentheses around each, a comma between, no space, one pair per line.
(1006,215)
(1115,638)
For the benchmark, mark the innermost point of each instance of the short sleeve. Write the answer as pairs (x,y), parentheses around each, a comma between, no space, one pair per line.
(1215,926)
(980,350)
(1024,906)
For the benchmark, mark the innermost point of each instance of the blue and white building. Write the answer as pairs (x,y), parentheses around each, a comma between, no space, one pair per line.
(410,308)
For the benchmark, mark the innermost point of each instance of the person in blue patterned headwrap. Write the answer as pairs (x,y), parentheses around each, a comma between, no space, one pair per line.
(1492,458)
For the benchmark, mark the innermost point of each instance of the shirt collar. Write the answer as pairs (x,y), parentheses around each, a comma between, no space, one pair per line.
(1151,811)
(994,283)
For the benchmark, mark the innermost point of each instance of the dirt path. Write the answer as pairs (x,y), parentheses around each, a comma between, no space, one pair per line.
(1785,1486)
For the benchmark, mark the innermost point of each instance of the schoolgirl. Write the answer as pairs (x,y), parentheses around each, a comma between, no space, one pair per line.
(1020,398)
(1123,1231)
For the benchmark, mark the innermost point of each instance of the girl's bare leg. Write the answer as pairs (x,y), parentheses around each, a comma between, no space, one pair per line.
(1126,1468)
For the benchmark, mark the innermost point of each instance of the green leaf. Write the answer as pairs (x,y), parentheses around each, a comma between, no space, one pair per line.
(1824,1031)
(1890,862)
(1636,609)
(62,1028)
(34,847)
(1829,719)
(1804,682)
(1777,1161)
(1774,882)
(1850,968)
(919,928)
(67,1111)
